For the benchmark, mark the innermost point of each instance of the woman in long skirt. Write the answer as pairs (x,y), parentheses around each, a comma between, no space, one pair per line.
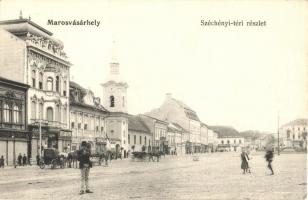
(244,158)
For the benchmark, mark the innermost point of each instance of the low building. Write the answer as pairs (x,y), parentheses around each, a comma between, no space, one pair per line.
(229,139)
(139,135)
(14,136)
(175,139)
(158,129)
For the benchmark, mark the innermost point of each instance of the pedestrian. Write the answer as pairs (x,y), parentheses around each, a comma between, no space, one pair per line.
(19,159)
(37,160)
(244,158)
(2,162)
(84,165)
(269,158)
(24,160)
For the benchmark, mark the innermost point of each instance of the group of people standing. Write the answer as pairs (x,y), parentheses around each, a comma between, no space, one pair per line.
(245,158)
(21,160)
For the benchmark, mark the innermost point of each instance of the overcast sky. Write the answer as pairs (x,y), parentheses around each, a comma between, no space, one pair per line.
(237,76)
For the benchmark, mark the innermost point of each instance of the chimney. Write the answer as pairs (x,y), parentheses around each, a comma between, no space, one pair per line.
(168,96)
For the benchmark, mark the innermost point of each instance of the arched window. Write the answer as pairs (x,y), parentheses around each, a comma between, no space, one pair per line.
(58,113)
(33,110)
(41,111)
(65,115)
(222,142)
(49,114)
(234,141)
(33,76)
(16,115)
(7,112)
(123,101)
(41,81)
(64,88)
(57,83)
(111,101)
(49,84)
(240,141)
(228,141)
(145,140)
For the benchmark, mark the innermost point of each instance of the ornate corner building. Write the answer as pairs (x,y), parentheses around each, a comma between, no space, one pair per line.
(30,55)
(14,137)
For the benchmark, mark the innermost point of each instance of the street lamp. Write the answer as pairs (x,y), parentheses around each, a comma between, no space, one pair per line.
(14,154)
(40,131)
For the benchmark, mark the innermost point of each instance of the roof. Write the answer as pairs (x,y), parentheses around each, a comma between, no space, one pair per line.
(95,108)
(19,21)
(75,85)
(190,113)
(158,120)
(297,122)
(180,127)
(135,123)
(15,83)
(225,131)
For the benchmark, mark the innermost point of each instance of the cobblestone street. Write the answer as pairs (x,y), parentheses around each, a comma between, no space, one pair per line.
(214,176)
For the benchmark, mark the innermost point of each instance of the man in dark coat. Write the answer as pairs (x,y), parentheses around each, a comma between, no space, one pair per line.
(19,158)
(269,158)
(37,160)
(24,160)
(1,162)
(84,165)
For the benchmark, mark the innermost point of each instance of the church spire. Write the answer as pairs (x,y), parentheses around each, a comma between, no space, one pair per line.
(114,64)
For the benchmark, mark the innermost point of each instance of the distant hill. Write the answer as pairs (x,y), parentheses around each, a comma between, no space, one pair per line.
(224,131)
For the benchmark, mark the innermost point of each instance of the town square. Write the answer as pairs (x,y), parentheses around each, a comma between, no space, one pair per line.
(174,102)
(214,176)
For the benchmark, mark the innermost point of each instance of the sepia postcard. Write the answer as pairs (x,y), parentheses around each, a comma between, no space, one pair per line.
(106,99)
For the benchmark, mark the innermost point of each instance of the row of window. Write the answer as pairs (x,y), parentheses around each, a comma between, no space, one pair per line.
(49,113)
(85,126)
(234,142)
(299,136)
(10,113)
(49,83)
(140,140)
(91,122)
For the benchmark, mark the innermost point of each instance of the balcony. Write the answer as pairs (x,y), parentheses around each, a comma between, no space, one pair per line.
(56,124)
(10,125)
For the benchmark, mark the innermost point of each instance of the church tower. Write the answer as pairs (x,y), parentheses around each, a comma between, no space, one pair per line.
(115,88)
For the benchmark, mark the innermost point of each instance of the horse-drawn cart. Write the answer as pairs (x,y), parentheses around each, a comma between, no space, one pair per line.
(53,158)
(143,156)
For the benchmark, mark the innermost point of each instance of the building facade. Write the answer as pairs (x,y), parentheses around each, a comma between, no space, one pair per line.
(34,57)
(175,111)
(294,134)
(158,129)
(14,136)
(87,119)
(230,143)
(139,136)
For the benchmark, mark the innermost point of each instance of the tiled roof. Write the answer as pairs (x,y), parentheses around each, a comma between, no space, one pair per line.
(190,113)
(75,85)
(135,123)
